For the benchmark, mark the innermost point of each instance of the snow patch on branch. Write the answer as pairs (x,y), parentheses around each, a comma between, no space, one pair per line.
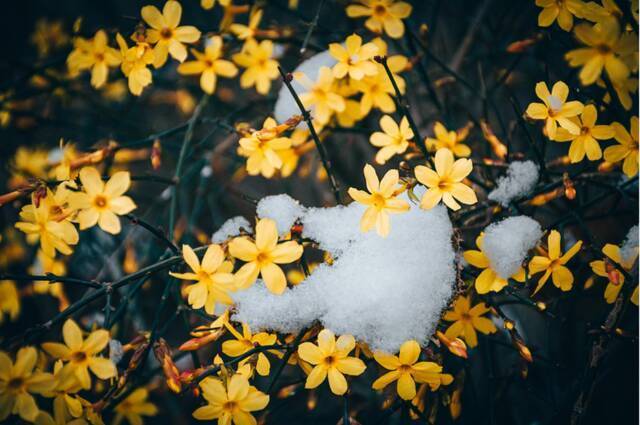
(519,181)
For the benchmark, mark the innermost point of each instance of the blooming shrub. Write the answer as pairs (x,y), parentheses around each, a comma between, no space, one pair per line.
(360,211)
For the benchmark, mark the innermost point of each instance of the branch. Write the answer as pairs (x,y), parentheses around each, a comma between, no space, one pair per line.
(286,78)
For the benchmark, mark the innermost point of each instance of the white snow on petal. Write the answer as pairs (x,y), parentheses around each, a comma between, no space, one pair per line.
(507,243)
(519,181)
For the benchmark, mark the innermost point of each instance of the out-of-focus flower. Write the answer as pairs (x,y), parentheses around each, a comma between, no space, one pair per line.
(587,140)
(230,401)
(135,61)
(166,33)
(552,263)
(209,65)
(555,110)
(261,69)
(354,58)
(377,92)
(605,269)
(445,183)
(380,201)
(213,277)
(9,300)
(134,407)
(467,320)
(263,148)
(101,202)
(208,4)
(263,255)
(48,224)
(321,95)
(605,47)
(94,54)
(82,354)
(627,148)
(488,280)
(30,162)
(49,36)
(393,140)
(248,341)
(18,381)
(382,15)
(245,32)
(407,370)
(562,10)
(331,359)
(451,140)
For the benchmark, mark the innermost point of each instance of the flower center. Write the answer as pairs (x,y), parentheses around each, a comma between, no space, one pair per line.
(330,361)
(78,357)
(444,185)
(99,57)
(15,384)
(263,257)
(166,33)
(603,49)
(585,131)
(379,10)
(404,368)
(229,406)
(100,201)
(378,201)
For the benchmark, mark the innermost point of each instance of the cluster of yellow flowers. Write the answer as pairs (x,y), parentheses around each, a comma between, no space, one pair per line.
(80,191)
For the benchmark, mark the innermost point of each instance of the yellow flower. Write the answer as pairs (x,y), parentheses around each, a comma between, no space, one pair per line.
(299,144)
(488,280)
(626,149)
(30,162)
(49,224)
(393,139)
(555,109)
(49,36)
(208,65)
(82,354)
(330,358)
(597,13)
(94,54)
(354,58)
(101,202)
(406,369)
(562,10)
(208,4)
(230,401)
(623,90)
(377,92)
(18,381)
(260,67)
(134,407)
(248,341)
(66,406)
(245,32)
(321,96)
(213,278)
(605,46)
(263,148)
(46,264)
(9,300)
(263,255)
(445,183)
(449,139)
(467,320)
(383,14)
(134,64)
(587,140)
(165,33)
(616,279)
(552,263)
(380,201)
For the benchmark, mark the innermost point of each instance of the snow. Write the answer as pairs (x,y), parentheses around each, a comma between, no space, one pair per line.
(629,248)
(519,181)
(286,106)
(383,291)
(507,243)
(282,209)
(231,228)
